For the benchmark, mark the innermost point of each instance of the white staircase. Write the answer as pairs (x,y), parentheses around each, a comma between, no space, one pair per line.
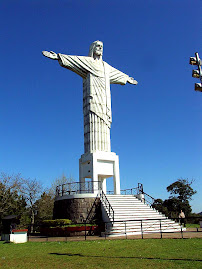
(131,216)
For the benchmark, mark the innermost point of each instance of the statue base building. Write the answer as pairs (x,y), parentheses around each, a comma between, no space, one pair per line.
(98,166)
(75,201)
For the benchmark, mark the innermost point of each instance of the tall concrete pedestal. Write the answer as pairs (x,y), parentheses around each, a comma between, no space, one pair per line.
(99,166)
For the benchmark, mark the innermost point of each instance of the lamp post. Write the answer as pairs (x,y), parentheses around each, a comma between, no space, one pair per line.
(197,73)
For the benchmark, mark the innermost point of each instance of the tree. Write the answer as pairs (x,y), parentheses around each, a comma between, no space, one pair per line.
(18,193)
(159,205)
(181,189)
(30,189)
(60,181)
(44,207)
(11,201)
(181,193)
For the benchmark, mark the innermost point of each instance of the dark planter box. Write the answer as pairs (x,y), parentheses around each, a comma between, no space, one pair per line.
(69,231)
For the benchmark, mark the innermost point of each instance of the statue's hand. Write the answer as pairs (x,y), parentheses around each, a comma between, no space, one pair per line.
(132,81)
(52,55)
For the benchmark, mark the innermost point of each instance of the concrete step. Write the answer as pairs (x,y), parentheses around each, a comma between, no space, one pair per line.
(129,211)
(138,225)
(138,232)
(149,226)
(136,217)
(144,222)
(144,228)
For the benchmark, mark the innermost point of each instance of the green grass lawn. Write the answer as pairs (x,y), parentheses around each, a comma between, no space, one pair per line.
(190,225)
(148,253)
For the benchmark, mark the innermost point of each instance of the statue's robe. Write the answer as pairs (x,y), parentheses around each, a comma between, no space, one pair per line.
(97,76)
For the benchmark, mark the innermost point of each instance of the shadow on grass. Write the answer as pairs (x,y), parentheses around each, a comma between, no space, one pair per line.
(141,258)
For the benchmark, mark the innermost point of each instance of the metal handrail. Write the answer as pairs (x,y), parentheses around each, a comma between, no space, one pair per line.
(109,208)
(147,200)
(110,192)
(77,188)
(140,188)
(132,191)
(91,210)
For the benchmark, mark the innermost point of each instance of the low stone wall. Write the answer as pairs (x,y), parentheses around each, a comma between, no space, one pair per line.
(77,209)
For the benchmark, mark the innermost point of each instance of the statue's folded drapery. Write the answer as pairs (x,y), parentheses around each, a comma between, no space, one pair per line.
(97,77)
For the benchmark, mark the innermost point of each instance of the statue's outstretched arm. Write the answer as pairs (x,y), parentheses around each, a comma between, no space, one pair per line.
(132,81)
(118,77)
(52,55)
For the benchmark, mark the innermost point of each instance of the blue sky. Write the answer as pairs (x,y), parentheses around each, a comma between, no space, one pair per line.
(156,128)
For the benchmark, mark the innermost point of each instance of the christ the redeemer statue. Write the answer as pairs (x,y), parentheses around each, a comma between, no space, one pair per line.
(97,76)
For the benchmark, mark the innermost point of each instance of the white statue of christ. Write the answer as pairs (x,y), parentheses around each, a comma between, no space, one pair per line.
(97,76)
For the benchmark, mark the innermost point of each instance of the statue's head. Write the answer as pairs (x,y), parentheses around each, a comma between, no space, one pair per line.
(96,48)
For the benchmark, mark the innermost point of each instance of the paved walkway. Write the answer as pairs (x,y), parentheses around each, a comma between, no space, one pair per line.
(190,233)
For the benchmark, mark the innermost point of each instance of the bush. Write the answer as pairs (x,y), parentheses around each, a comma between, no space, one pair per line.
(56,223)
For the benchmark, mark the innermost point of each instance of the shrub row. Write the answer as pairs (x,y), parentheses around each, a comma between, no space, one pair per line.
(56,222)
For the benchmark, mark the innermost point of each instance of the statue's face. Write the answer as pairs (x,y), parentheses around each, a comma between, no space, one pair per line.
(98,50)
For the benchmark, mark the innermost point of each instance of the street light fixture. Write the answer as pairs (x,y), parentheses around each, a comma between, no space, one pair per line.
(198,87)
(193,61)
(197,73)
